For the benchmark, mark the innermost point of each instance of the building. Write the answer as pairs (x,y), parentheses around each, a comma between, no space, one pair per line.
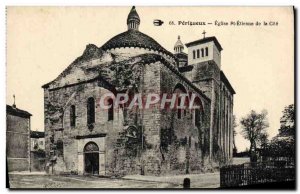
(17,139)
(83,138)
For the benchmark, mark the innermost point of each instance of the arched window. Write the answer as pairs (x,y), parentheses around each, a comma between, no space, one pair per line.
(206,51)
(197,111)
(202,52)
(111,110)
(90,111)
(198,53)
(72,116)
(194,54)
(90,147)
(180,89)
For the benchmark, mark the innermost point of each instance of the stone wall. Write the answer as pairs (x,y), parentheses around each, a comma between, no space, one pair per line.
(226,122)
(19,164)
(206,75)
(57,124)
(151,123)
(18,143)
(163,143)
(188,147)
(213,53)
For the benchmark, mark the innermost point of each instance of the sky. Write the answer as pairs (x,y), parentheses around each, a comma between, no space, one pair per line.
(257,60)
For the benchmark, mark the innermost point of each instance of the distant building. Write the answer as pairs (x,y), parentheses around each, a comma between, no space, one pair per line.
(37,140)
(17,139)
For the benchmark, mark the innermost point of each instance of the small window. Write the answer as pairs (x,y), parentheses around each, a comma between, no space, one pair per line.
(190,141)
(111,110)
(72,116)
(202,52)
(198,53)
(206,51)
(194,54)
(90,111)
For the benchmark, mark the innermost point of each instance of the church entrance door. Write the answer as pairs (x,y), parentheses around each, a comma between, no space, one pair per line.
(91,159)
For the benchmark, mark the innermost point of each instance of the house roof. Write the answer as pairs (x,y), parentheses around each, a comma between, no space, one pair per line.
(226,82)
(37,134)
(205,40)
(17,112)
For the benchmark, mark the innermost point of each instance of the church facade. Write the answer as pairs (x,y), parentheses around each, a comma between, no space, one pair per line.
(83,138)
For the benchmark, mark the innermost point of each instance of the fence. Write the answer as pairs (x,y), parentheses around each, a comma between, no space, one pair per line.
(256,173)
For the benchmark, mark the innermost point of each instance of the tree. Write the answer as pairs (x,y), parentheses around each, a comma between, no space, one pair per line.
(263,140)
(254,127)
(283,144)
(234,125)
(287,122)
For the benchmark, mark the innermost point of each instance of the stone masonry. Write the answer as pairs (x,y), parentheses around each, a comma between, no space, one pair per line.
(83,138)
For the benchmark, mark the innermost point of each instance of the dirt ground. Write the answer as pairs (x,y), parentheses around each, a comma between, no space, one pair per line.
(42,181)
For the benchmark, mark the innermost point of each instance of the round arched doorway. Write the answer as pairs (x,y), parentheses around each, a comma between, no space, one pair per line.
(91,158)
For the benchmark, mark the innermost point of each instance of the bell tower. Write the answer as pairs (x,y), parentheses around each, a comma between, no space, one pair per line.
(205,49)
(204,55)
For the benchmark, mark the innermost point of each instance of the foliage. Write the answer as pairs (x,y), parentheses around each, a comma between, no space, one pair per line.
(263,140)
(287,121)
(283,144)
(254,127)
(234,125)
(127,73)
(281,147)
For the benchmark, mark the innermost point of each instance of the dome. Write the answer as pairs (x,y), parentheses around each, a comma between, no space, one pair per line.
(133,16)
(134,38)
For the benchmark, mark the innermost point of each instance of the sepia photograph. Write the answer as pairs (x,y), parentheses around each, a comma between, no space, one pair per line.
(150,97)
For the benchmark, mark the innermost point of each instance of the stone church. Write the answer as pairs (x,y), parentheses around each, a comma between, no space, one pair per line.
(82,138)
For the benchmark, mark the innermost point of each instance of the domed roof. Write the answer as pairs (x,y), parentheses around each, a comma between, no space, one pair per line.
(178,43)
(134,38)
(133,15)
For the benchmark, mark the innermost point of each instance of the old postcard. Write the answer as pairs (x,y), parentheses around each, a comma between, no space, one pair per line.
(150,97)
